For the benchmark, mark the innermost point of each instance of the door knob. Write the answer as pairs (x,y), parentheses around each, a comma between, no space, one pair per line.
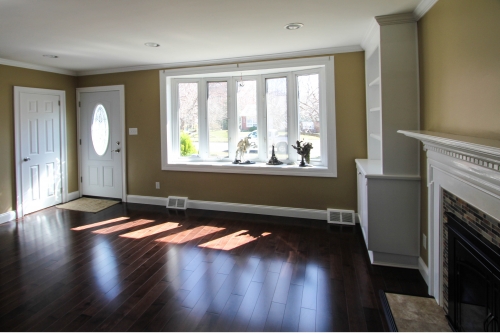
(26,159)
(116,150)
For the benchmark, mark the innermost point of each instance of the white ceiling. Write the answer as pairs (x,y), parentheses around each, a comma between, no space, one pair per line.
(94,35)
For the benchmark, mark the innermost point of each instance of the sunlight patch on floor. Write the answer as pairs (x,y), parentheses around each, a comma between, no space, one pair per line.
(93,225)
(232,241)
(151,230)
(122,227)
(189,234)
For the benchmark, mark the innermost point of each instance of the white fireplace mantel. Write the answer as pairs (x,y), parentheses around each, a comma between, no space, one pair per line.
(486,150)
(469,168)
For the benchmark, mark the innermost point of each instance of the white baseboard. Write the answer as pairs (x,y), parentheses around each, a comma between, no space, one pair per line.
(236,207)
(390,264)
(158,201)
(73,195)
(424,270)
(393,260)
(8,216)
(258,209)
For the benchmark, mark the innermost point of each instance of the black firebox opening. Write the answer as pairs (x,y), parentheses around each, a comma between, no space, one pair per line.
(473,279)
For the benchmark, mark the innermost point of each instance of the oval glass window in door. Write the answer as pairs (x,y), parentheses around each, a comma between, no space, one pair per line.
(100,130)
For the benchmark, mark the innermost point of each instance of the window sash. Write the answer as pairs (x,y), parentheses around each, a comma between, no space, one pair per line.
(175,128)
(233,99)
(292,115)
(322,111)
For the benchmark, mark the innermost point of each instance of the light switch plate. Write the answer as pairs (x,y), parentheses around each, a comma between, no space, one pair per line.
(132,131)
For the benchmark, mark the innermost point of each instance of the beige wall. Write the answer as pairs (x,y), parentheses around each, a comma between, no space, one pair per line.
(14,76)
(142,105)
(459,48)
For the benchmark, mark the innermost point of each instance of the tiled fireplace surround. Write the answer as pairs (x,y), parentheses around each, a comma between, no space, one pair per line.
(463,177)
(485,225)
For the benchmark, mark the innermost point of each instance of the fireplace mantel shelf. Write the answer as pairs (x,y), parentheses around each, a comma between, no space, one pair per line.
(483,152)
(468,143)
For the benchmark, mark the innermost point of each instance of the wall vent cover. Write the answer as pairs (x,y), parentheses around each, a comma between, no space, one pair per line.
(177,202)
(340,216)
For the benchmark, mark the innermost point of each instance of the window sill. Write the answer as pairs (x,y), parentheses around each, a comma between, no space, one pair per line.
(258,168)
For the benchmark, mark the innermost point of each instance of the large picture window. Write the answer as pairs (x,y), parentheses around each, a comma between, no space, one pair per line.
(207,111)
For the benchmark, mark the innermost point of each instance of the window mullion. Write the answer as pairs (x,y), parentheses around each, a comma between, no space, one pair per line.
(175,120)
(323,118)
(293,116)
(262,118)
(232,118)
(203,119)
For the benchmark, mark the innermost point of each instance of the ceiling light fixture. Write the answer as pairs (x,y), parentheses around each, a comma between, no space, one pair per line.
(152,44)
(293,26)
(50,56)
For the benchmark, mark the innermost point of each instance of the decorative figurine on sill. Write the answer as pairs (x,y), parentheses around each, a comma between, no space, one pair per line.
(241,148)
(304,151)
(274,160)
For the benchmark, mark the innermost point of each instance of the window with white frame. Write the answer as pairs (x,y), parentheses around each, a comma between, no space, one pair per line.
(207,111)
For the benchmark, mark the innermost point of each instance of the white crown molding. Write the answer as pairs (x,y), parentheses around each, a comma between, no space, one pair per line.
(395,19)
(20,64)
(422,8)
(236,207)
(8,216)
(366,38)
(286,55)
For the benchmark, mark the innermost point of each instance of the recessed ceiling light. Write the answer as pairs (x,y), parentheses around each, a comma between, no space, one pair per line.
(293,26)
(50,56)
(152,44)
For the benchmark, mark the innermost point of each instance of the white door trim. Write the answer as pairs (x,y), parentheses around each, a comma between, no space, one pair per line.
(121,90)
(17,140)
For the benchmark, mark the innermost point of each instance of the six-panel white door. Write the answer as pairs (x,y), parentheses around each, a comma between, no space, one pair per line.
(40,151)
(101,144)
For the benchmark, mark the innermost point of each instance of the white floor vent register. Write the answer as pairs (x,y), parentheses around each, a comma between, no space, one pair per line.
(340,216)
(177,203)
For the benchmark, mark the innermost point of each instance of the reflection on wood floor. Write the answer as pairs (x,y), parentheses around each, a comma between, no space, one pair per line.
(136,267)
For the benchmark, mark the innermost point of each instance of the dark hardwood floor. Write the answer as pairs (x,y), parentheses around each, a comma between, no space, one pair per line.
(136,267)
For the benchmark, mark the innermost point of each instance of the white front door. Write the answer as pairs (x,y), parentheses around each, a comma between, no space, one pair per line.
(40,149)
(101,143)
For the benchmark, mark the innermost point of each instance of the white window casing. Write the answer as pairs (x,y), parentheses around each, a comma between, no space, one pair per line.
(326,166)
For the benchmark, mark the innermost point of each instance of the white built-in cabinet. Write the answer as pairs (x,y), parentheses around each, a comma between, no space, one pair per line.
(389,180)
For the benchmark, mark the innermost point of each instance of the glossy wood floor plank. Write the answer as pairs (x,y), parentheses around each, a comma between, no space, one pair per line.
(136,267)
(291,315)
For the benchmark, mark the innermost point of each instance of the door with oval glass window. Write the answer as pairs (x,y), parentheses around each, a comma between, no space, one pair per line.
(101,150)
